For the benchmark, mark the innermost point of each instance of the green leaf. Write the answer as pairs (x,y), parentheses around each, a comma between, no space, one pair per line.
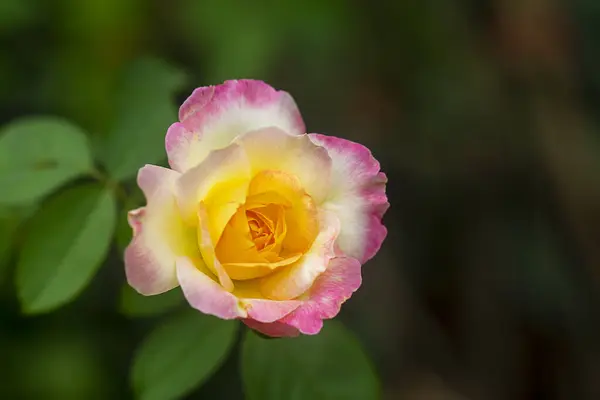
(181,354)
(328,366)
(145,110)
(11,219)
(8,228)
(67,241)
(134,304)
(15,14)
(245,47)
(39,154)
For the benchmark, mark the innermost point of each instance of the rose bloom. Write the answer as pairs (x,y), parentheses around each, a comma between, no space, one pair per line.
(256,219)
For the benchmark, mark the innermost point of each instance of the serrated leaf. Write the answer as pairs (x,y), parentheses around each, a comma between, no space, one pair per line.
(144,111)
(327,366)
(39,154)
(67,242)
(134,304)
(181,354)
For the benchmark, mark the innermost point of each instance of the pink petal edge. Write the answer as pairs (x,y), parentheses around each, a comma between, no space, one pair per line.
(246,100)
(355,162)
(206,295)
(144,270)
(325,298)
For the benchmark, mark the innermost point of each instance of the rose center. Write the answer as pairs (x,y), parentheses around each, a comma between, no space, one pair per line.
(261,229)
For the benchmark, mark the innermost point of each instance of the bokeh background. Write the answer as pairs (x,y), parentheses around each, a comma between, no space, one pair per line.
(483,114)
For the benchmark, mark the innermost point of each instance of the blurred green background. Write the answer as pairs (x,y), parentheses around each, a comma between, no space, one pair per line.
(483,114)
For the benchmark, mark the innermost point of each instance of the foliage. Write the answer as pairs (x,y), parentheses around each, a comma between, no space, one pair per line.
(78,195)
(330,365)
(484,116)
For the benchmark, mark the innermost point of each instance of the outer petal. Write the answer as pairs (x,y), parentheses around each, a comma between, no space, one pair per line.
(159,235)
(357,196)
(323,301)
(291,281)
(203,293)
(326,296)
(214,115)
(274,149)
(274,329)
(268,310)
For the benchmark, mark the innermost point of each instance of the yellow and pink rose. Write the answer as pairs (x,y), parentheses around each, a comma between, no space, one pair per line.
(256,219)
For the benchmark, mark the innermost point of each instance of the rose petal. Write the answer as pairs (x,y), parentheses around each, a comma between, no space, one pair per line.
(203,293)
(159,235)
(296,155)
(291,281)
(327,295)
(301,213)
(214,115)
(221,182)
(357,196)
(269,310)
(207,249)
(273,329)
(244,271)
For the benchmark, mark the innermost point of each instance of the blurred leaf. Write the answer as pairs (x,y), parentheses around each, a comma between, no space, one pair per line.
(330,365)
(67,242)
(181,354)
(39,154)
(145,110)
(134,304)
(243,48)
(8,228)
(15,14)
(244,52)
(11,219)
(60,364)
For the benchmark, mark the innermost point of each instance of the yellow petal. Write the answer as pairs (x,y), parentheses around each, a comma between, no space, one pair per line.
(291,281)
(244,271)
(238,253)
(274,149)
(221,182)
(300,210)
(207,250)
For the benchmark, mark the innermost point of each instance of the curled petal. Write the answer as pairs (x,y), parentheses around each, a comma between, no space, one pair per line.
(291,281)
(301,213)
(296,155)
(244,271)
(268,310)
(135,219)
(214,115)
(159,235)
(204,293)
(273,329)
(356,195)
(326,296)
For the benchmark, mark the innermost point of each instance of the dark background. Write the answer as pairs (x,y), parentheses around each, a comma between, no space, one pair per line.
(483,114)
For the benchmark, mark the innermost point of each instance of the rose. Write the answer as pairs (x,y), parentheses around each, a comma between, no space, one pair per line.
(256,220)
